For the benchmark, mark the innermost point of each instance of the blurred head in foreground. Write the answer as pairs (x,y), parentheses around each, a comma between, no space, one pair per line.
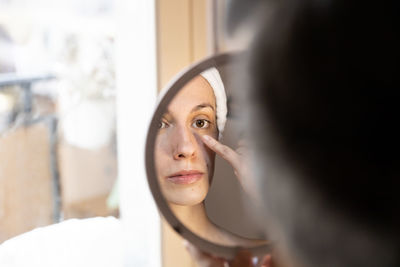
(324,86)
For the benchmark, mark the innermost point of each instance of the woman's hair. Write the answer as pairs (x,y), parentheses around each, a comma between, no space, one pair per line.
(325,88)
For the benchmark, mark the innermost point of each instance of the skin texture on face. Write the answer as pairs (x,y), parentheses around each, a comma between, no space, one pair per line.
(179,148)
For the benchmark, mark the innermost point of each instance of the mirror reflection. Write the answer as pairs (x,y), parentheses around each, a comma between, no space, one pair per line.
(189,155)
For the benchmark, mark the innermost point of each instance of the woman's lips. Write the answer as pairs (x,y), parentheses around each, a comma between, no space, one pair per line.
(185,177)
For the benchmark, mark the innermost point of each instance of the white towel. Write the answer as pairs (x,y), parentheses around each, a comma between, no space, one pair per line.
(79,243)
(214,79)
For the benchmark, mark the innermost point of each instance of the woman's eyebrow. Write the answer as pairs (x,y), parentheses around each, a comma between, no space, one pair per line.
(166,114)
(201,106)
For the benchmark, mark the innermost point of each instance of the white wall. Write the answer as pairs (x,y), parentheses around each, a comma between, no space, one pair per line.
(136,95)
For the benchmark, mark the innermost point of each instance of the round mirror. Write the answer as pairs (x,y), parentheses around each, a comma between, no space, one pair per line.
(196,184)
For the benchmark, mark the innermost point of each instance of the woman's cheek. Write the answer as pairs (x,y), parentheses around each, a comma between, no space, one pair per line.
(210,156)
(215,132)
(162,150)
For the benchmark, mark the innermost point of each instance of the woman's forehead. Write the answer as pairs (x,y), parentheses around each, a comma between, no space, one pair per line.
(197,92)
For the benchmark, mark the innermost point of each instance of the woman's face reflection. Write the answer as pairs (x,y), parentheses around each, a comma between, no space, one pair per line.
(185,166)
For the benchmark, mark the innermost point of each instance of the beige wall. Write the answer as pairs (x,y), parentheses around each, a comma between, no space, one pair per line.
(182,40)
(26,199)
(181,35)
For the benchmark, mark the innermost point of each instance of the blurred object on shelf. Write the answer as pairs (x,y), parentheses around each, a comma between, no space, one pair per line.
(8,109)
(87,177)
(6,52)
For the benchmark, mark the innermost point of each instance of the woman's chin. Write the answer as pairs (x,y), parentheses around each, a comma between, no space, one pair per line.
(187,200)
(186,195)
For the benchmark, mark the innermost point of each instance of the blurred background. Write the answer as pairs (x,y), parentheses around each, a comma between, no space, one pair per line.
(72,73)
(57,112)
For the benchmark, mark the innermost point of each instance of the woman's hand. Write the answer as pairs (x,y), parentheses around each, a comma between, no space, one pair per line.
(236,158)
(242,259)
(204,259)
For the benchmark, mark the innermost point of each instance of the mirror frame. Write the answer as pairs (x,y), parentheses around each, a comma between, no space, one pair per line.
(165,98)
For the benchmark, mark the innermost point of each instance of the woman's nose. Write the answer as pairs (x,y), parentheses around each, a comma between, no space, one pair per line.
(185,145)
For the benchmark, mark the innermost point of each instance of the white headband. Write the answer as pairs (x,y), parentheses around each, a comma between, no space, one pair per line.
(214,79)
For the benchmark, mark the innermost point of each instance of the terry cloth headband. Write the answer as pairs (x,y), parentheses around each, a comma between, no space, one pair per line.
(213,77)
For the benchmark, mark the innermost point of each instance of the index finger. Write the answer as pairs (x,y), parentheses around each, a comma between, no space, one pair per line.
(224,151)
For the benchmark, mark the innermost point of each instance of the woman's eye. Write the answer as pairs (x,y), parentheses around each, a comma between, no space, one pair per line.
(162,125)
(201,123)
